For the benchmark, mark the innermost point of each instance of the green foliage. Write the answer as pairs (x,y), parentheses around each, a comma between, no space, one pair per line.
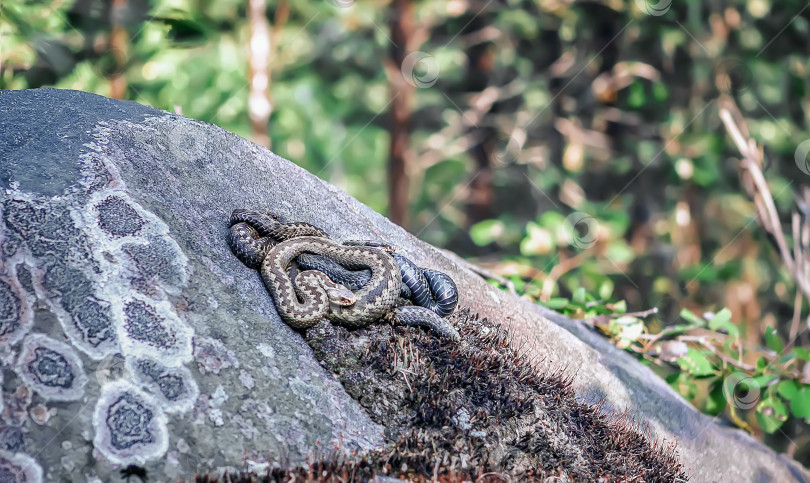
(708,369)
(696,363)
(722,322)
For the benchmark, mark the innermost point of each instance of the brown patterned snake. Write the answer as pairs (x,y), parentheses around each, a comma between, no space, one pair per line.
(305,301)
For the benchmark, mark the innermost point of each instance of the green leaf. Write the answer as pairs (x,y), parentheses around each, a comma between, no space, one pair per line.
(764,379)
(660,92)
(627,329)
(683,385)
(771,414)
(787,389)
(184,29)
(580,296)
(606,289)
(620,252)
(722,320)
(619,307)
(486,232)
(537,242)
(702,273)
(556,303)
(678,329)
(802,353)
(772,340)
(722,317)
(785,358)
(696,363)
(716,400)
(800,403)
(636,96)
(687,315)
(551,219)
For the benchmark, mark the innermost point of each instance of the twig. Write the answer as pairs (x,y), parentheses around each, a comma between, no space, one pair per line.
(754,182)
(605,318)
(797,300)
(705,343)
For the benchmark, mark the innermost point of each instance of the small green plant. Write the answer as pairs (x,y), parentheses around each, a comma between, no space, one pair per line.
(763,383)
(705,360)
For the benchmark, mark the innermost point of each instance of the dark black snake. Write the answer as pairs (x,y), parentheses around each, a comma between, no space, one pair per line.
(309,298)
(424,287)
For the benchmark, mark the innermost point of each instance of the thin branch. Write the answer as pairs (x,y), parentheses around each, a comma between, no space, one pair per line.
(754,182)
(708,345)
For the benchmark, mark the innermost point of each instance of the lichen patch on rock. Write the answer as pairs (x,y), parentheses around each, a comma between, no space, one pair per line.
(51,368)
(174,387)
(130,425)
(105,269)
(15,312)
(19,467)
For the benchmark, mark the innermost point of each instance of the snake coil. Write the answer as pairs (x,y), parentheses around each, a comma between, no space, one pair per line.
(263,241)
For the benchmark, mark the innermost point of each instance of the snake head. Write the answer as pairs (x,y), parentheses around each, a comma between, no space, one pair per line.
(238,215)
(371,243)
(274,216)
(384,246)
(340,295)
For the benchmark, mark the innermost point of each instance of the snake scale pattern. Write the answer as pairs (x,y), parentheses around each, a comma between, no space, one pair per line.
(263,241)
(424,287)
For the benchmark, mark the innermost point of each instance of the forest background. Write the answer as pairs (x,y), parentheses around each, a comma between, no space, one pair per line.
(605,158)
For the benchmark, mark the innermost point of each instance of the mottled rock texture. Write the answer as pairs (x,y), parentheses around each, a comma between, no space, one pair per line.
(130,334)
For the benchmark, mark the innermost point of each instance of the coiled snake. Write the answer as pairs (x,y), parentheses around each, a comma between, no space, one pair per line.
(424,287)
(311,295)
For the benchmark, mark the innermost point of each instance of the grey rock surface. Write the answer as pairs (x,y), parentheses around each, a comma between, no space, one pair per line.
(129,333)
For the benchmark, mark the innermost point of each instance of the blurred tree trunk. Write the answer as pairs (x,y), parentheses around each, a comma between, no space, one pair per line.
(480,63)
(259,104)
(119,46)
(402,36)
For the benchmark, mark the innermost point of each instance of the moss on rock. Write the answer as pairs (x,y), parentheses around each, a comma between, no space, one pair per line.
(459,411)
